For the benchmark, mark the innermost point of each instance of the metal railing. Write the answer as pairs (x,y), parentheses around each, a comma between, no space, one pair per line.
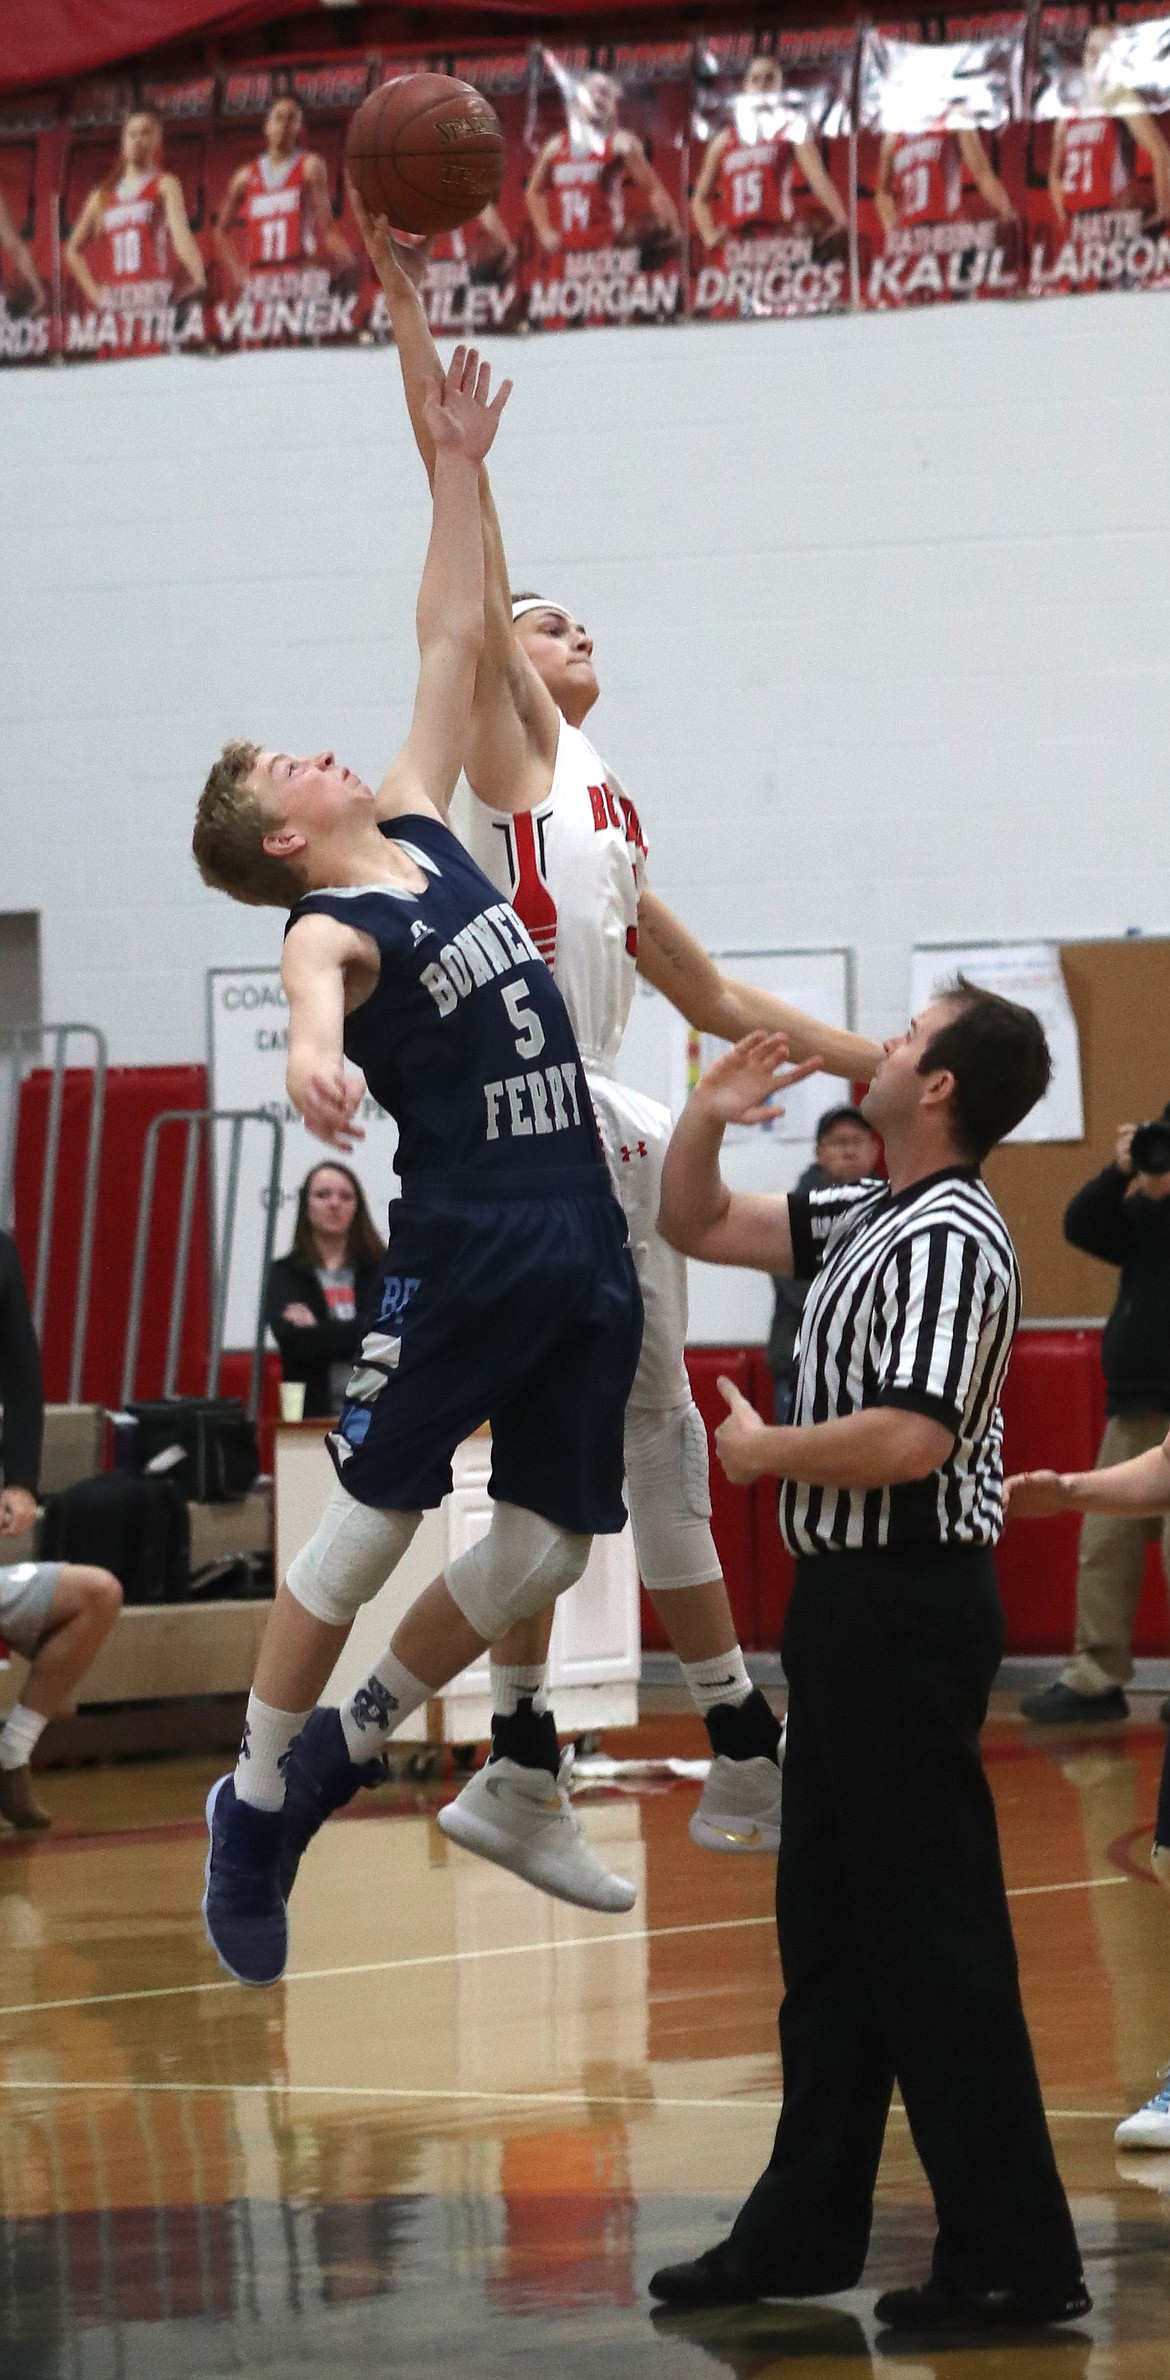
(199,1122)
(19,1043)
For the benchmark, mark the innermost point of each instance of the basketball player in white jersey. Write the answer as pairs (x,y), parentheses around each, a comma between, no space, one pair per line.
(282,201)
(138,215)
(551,825)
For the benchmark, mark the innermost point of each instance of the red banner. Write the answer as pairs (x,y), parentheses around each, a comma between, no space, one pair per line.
(940,167)
(771,164)
(605,192)
(744,176)
(1098,199)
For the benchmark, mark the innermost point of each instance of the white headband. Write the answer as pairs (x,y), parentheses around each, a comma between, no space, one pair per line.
(536,603)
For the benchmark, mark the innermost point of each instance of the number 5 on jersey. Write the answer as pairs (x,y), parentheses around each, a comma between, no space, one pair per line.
(525,1023)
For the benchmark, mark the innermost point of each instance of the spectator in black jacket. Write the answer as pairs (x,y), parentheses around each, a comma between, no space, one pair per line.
(317,1294)
(1123,1217)
(55,1614)
(847,1149)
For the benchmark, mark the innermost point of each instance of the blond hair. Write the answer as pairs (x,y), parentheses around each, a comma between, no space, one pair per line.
(228,843)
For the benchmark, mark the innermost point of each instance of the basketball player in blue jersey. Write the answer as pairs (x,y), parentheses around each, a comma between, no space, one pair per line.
(508,1292)
(551,825)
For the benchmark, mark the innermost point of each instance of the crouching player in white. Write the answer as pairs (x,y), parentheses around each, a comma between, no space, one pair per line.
(554,829)
(508,1292)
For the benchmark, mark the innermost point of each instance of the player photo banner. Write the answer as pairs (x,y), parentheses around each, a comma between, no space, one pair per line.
(604,239)
(940,167)
(1098,191)
(27,327)
(770,165)
(470,283)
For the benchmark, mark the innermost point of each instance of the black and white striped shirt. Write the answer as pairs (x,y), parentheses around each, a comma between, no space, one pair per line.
(914,1302)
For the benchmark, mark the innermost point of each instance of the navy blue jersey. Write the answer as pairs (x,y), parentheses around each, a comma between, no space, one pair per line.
(465,1039)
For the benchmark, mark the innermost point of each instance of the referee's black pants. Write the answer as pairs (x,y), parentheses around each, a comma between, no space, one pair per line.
(896,1944)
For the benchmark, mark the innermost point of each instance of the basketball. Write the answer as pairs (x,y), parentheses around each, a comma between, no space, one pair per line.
(426,151)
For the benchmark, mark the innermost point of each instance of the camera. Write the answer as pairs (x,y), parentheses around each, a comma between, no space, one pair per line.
(1149,1150)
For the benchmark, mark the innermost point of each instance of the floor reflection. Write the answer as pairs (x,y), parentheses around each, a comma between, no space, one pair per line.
(471,2123)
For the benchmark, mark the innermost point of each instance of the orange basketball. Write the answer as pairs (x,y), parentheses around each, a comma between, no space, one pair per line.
(426,151)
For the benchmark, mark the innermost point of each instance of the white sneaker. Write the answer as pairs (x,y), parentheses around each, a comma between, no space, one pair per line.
(520,1819)
(1150,2127)
(739,1808)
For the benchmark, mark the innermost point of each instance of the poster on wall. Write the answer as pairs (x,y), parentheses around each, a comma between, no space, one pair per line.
(1031,973)
(769,202)
(604,194)
(247,1053)
(26,242)
(940,166)
(133,273)
(1098,189)
(287,263)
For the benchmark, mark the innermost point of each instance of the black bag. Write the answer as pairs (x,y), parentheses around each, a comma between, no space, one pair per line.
(206,1445)
(138,1528)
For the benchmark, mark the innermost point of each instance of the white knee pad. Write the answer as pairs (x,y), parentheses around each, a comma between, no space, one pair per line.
(350,1555)
(522,1564)
(669,1496)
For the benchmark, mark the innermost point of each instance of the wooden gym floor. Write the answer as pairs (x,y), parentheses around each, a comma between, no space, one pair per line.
(471,2122)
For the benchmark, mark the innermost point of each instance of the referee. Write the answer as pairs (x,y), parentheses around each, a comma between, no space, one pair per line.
(896,1944)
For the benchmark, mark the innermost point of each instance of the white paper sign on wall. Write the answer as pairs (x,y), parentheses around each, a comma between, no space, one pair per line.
(248,1046)
(1031,973)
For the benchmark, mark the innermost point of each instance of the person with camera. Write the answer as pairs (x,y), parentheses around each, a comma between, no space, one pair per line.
(1123,1217)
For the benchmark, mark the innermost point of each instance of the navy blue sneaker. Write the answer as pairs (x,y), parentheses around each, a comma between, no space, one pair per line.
(319,1779)
(243,1909)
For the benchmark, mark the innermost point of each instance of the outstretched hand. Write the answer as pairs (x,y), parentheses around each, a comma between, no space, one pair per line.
(739,1439)
(398,263)
(1035,1496)
(331,1101)
(741,1086)
(460,417)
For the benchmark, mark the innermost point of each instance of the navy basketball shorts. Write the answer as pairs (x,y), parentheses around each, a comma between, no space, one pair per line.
(519,1310)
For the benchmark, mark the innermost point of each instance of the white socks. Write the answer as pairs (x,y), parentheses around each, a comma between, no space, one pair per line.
(723,1680)
(371,1714)
(511,1686)
(20,1736)
(268,1738)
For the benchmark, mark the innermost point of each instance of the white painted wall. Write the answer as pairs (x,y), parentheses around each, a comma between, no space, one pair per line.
(882,609)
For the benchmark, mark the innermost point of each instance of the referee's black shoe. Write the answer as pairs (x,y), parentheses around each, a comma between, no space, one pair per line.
(935,2306)
(717,2279)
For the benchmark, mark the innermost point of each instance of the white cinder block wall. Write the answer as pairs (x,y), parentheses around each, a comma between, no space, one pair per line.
(882,611)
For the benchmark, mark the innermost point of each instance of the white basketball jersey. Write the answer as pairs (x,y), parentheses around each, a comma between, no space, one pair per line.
(573,869)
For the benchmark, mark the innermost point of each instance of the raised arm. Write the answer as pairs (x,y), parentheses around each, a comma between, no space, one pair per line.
(698,1214)
(317,952)
(463,419)
(514,718)
(679,968)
